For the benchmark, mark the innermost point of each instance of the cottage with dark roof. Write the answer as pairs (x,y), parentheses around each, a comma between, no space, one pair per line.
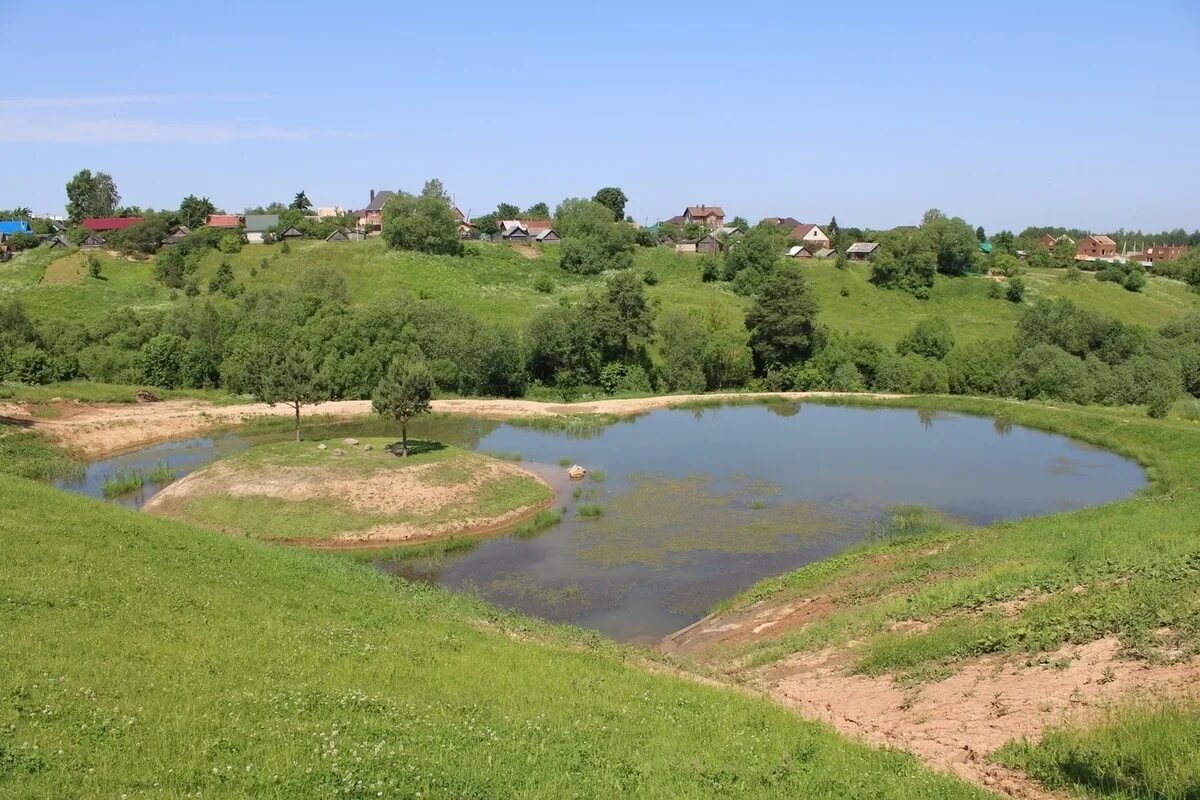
(371,217)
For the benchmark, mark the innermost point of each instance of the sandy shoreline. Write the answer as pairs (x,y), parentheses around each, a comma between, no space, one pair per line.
(99,429)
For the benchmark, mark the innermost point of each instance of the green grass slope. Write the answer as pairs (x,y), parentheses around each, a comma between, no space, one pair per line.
(145,658)
(496,284)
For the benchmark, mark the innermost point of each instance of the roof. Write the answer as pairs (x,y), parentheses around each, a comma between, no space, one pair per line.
(863,247)
(291,230)
(223,221)
(379,199)
(728,230)
(786,222)
(93,238)
(803,229)
(676,220)
(825,252)
(111,223)
(704,211)
(1102,239)
(796,250)
(257,223)
(14,226)
(986,247)
(341,234)
(546,233)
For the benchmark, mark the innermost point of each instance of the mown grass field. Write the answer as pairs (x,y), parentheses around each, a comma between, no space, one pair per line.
(142,657)
(496,284)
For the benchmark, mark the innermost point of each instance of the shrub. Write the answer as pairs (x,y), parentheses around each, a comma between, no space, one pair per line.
(230,243)
(285,249)
(1073,274)
(650,277)
(1015,292)
(931,338)
(543,284)
(93,266)
(223,280)
(709,270)
(847,378)
(1190,410)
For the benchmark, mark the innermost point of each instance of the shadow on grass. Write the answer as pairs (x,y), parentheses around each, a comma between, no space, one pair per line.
(416,447)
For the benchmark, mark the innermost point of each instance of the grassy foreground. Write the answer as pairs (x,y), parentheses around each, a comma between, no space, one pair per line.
(495,283)
(142,657)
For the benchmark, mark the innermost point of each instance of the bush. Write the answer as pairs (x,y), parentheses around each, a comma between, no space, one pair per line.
(1015,292)
(710,270)
(650,277)
(931,338)
(93,266)
(847,378)
(230,243)
(1073,274)
(543,284)
(223,280)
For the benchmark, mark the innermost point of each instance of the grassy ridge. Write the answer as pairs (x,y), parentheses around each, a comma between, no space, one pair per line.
(496,284)
(142,656)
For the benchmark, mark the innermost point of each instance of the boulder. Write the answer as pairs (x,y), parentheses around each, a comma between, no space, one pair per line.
(576,472)
(368,446)
(339,452)
(322,446)
(145,396)
(350,442)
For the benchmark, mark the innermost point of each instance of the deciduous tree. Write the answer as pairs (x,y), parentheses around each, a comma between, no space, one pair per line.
(91,195)
(614,199)
(783,320)
(426,224)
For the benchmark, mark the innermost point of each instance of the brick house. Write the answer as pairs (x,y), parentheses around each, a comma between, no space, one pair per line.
(1163,252)
(1095,246)
(1050,241)
(371,217)
(711,217)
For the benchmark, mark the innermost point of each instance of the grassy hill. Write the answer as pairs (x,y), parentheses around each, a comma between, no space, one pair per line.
(143,657)
(496,284)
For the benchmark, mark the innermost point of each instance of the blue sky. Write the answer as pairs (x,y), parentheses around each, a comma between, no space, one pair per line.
(1083,114)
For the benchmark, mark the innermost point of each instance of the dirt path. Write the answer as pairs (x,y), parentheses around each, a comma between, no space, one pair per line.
(952,724)
(100,429)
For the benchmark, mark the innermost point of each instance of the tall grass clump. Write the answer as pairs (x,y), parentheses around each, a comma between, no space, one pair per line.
(903,521)
(161,473)
(1140,751)
(589,511)
(541,521)
(575,426)
(122,482)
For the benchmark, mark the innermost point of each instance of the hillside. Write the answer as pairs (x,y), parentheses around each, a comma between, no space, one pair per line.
(496,284)
(144,657)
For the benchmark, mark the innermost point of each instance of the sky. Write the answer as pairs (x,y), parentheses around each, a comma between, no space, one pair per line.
(1080,114)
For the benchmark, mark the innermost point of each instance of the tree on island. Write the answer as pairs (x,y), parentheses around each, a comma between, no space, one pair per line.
(404,392)
(293,379)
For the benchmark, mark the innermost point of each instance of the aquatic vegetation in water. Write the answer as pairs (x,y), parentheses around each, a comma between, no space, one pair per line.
(540,522)
(161,473)
(589,511)
(662,520)
(575,426)
(123,482)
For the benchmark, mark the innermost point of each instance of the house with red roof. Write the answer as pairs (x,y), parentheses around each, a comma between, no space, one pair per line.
(103,224)
(711,217)
(223,221)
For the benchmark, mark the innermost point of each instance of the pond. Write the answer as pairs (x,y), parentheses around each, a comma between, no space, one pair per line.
(692,506)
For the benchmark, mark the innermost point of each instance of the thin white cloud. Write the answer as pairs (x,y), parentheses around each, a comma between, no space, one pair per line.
(57,128)
(93,101)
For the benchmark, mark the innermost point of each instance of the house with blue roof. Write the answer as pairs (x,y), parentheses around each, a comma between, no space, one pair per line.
(8,226)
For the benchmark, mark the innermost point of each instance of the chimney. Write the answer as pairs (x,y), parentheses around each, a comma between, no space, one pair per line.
(372,195)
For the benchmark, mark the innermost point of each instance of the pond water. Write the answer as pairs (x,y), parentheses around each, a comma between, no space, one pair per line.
(697,505)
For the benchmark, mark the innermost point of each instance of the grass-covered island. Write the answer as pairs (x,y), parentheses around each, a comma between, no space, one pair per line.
(354,492)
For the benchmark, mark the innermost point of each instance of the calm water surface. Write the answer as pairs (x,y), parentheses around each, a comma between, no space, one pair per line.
(699,505)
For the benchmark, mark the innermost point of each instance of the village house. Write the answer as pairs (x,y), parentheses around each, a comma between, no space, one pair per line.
(327,212)
(1096,246)
(862,251)
(825,252)
(340,235)
(798,251)
(259,224)
(105,224)
(729,232)
(177,235)
(708,244)
(710,217)
(92,240)
(371,217)
(1050,241)
(810,236)
(524,231)
(290,234)
(10,226)
(466,228)
(228,221)
(1162,252)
